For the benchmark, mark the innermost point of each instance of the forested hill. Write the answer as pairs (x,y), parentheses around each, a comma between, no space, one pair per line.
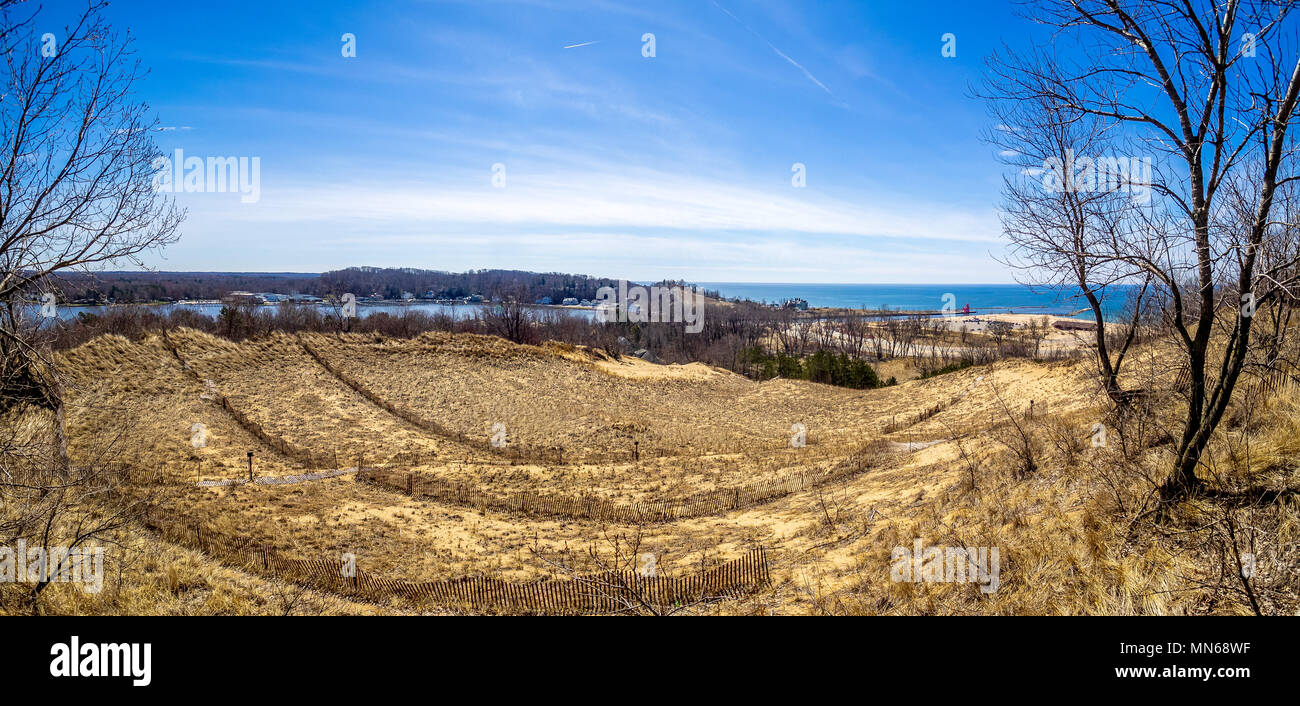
(389,283)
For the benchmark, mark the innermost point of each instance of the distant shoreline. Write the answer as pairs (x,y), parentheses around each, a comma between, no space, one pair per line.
(544,291)
(549,290)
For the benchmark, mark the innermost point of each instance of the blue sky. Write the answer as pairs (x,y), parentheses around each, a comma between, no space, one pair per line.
(616,164)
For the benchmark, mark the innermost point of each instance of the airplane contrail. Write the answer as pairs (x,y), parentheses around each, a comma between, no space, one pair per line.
(783,55)
(584,44)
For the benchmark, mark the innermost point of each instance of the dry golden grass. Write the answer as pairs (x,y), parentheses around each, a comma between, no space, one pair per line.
(1065,532)
(278,385)
(136,397)
(589,405)
(145,576)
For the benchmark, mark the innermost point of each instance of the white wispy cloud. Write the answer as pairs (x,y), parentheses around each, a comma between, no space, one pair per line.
(618,198)
(606,252)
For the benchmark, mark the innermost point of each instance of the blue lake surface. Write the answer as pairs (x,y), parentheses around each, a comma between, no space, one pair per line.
(982,298)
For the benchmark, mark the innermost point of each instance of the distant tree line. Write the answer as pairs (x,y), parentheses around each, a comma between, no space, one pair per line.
(133,287)
(388,283)
(494,284)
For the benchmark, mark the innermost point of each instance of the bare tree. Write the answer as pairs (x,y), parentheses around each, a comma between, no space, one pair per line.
(1036,332)
(801,330)
(1274,347)
(1000,331)
(76,183)
(1058,233)
(854,331)
(1212,108)
(510,319)
(76,191)
(1016,434)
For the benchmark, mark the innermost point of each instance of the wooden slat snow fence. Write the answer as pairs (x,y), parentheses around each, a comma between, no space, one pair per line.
(601,593)
(702,504)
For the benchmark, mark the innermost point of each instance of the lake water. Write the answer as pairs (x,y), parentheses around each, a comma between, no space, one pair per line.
(982,298)
(455,311)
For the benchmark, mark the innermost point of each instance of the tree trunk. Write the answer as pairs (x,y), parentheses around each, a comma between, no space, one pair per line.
(62,465)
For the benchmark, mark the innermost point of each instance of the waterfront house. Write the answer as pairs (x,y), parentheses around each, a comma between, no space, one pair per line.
(240,297)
